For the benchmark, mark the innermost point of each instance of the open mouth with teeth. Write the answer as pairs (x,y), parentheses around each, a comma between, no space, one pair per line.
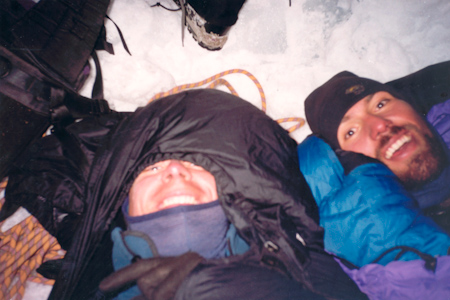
(396,146)
(179,200)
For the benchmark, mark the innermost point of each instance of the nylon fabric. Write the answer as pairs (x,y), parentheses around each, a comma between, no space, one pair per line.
(403,280)
(49,179)
(368,208)
(233,282)
(426,87)
(253,160)
(407,278)
(228,137)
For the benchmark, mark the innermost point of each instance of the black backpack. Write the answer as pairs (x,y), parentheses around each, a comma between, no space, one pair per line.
(44,53)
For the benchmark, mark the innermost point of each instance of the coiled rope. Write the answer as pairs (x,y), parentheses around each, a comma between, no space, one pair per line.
(23,248)
(216,80)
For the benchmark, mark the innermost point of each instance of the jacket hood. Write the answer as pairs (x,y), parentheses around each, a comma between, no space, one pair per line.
(252,158)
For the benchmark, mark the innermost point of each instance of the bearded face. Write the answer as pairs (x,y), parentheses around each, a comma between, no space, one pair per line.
(422,166)
(389,129)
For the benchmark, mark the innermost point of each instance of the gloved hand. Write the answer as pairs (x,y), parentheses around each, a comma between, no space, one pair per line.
(157,278)
(350,160)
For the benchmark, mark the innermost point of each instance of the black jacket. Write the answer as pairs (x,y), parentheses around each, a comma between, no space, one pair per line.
(75,182)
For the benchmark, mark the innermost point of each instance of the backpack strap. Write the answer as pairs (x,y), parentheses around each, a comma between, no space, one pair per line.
(30,104)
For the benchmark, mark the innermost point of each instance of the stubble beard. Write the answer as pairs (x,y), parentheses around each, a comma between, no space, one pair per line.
(425,166)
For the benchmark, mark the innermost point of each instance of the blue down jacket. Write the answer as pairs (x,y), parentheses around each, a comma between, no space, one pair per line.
(367,211)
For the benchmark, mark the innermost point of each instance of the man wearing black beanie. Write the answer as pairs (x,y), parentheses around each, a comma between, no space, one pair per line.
(365,116)
(378,166)
(400,123)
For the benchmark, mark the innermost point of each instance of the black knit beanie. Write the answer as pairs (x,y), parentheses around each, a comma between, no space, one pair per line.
(326,106)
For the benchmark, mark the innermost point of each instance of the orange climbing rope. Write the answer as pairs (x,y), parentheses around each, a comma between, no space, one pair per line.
(23,248)
(217,80)
(300,122)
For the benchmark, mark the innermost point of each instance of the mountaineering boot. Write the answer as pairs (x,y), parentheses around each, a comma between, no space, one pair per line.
(209,21)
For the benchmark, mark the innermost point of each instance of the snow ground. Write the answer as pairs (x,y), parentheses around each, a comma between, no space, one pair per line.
(290,49)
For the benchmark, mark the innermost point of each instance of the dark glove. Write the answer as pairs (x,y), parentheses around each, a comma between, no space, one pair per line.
(157,278)
(350,160)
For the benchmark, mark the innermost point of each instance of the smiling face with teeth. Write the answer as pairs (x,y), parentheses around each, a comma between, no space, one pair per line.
(389,129)
(170,183)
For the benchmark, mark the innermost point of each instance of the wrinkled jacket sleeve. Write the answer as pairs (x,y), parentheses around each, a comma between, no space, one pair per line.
(367,211)
(240,280)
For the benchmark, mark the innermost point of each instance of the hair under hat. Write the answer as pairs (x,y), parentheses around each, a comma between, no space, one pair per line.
(326,106)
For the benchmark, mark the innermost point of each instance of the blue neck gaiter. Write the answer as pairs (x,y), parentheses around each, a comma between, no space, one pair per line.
(199,228)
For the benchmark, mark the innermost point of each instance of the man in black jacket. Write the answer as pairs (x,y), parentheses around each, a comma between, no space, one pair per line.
(79,180)
(173,213)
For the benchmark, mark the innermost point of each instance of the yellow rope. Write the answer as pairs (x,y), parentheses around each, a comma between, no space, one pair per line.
(300,123)
(23,248)
(217,80)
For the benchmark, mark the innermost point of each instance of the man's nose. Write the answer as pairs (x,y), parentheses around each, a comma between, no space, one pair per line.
(377,125)
(176,169)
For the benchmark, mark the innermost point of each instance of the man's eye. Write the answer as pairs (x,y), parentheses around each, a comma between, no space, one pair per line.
(382,103)
(191,165)
(349,134)
(154,168)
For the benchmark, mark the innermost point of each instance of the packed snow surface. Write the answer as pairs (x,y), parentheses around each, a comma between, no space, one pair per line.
(290,49)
